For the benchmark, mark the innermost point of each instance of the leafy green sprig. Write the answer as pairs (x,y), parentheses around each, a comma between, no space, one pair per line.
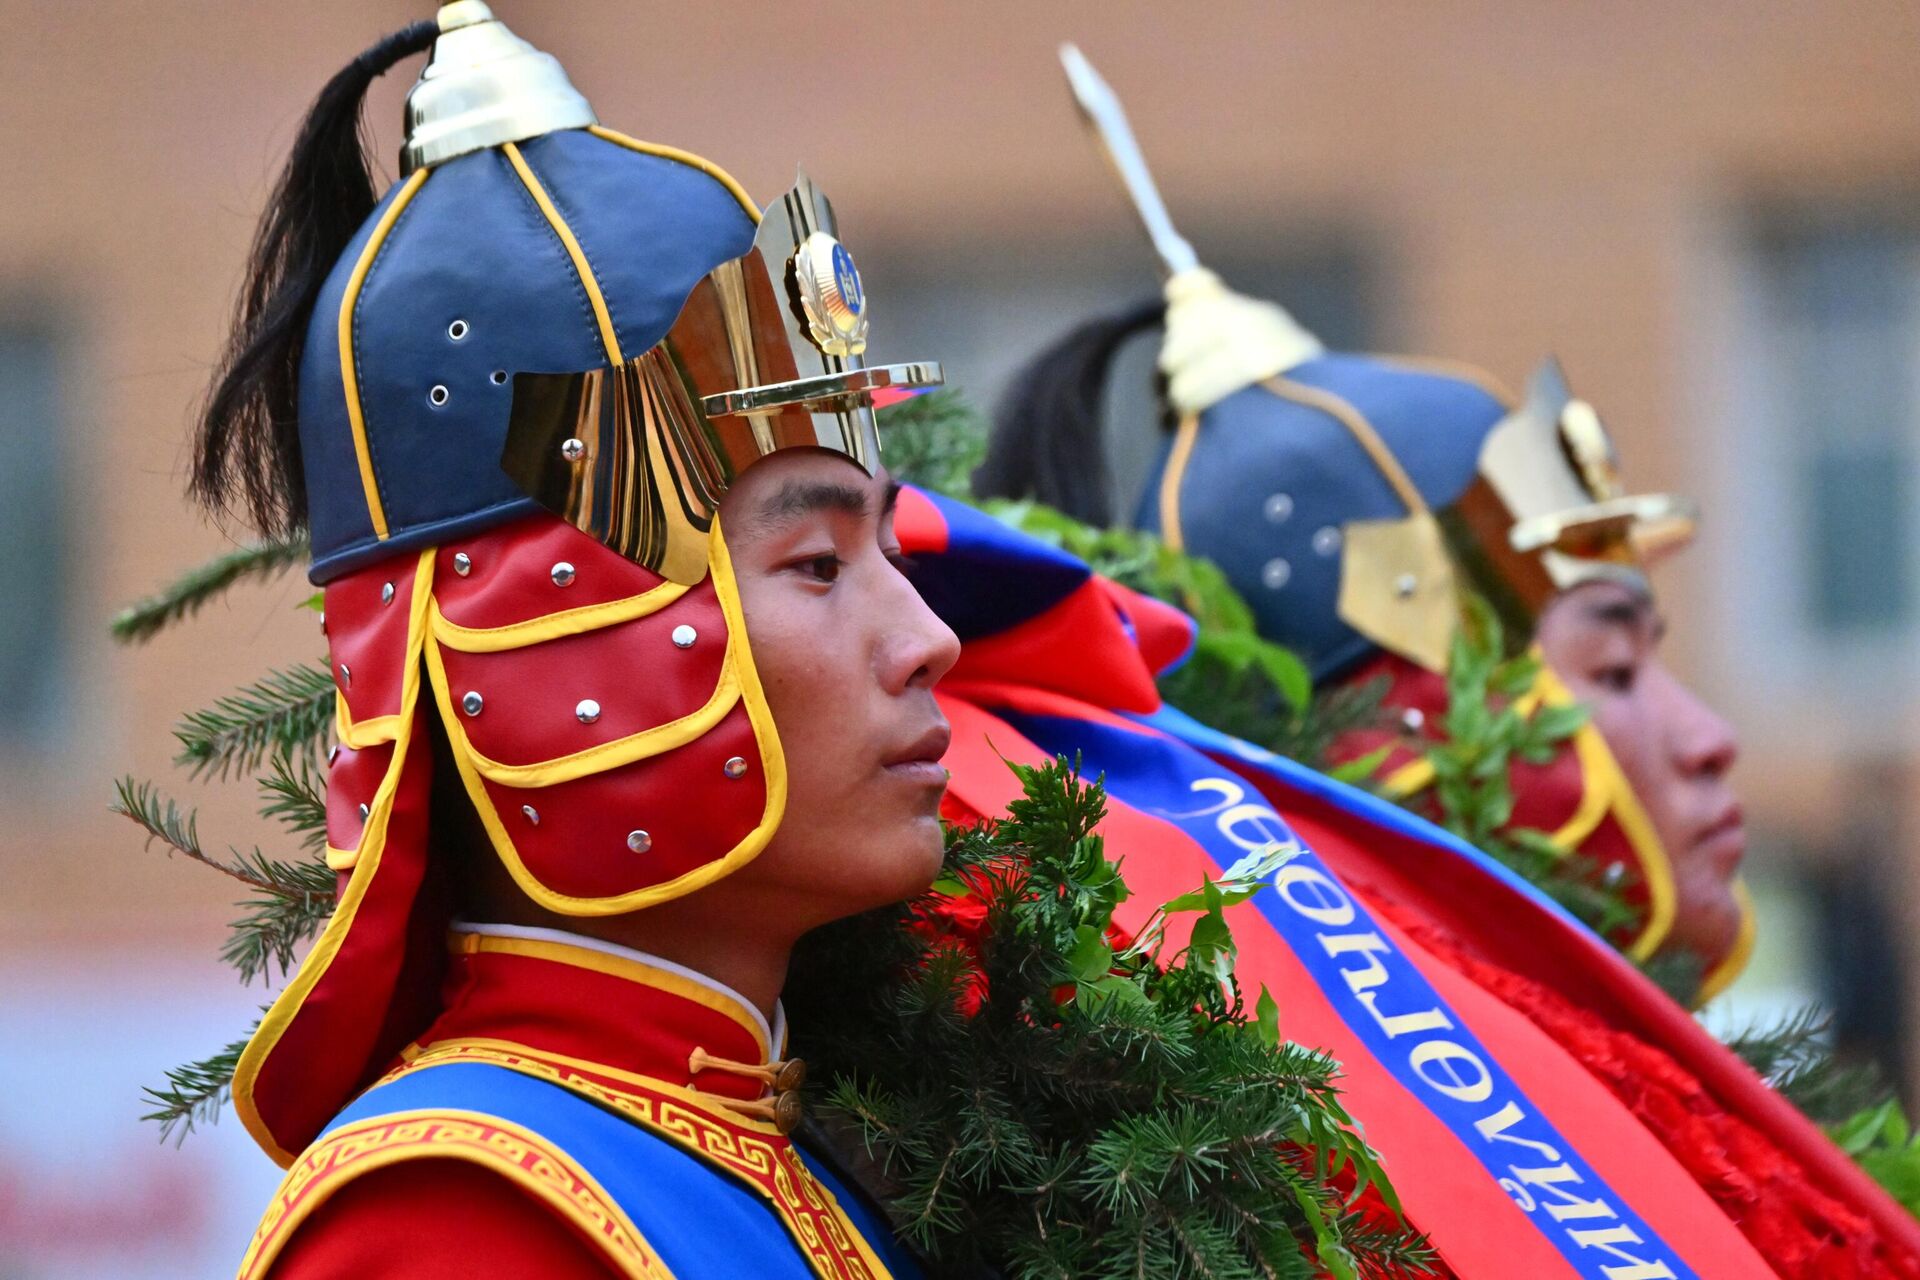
(1041,1097)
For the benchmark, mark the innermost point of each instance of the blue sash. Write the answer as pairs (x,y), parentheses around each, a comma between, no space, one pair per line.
(1380,994)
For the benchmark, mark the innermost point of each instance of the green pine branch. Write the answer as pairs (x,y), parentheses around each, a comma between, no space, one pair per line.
(197,588)
(1484,733)
(1795,1055)
(290,901)
(286,712)
(934,441)
(293,792)
(1040,1102)
(195,1093)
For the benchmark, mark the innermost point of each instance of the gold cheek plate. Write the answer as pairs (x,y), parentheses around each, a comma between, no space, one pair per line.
(766,355)
(1546,513)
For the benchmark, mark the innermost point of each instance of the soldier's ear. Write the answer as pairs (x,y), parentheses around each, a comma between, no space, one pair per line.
(246,451)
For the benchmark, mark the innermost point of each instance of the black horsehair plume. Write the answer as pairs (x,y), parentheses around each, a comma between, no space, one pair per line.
(246,454)
(1046,441)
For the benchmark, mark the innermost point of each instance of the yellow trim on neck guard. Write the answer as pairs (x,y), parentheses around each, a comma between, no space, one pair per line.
(1604,792)
(366,863)
(739,683)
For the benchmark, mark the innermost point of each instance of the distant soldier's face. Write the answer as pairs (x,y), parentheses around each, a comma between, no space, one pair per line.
(1602,640)
(848,654)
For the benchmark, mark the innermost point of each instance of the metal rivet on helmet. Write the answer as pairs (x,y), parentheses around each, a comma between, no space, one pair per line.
(586,711)
(386,593)
(471,702)
(639,841)
(573,449)
(346,677)
(684,636)
(364,811)
(533,814)
(562,574)
(462,563)
(736,767)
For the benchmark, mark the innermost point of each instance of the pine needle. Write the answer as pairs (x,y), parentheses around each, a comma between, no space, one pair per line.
(199,587)
(290,902)
(934,441)
(287,712)
(195,1092)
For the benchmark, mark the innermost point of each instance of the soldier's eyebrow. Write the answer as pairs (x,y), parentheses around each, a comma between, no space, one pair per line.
(797,499)
(1635,614)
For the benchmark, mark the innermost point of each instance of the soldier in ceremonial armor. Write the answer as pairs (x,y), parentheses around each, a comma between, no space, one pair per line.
(600,764)
(1354,500)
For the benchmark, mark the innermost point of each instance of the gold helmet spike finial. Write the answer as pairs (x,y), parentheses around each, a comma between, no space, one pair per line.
(1218,341)
(485,86)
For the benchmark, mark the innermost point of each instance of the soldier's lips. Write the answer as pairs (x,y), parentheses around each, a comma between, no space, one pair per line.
(1724,841)
(919,762)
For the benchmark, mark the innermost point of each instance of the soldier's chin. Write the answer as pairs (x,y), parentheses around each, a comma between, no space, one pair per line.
(908,859)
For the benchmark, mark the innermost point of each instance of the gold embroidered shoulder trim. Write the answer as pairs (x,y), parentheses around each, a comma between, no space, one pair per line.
(523,1157)
(755,1154)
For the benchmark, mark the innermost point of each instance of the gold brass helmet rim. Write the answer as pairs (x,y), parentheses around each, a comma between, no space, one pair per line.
(1545,513)
(640,455)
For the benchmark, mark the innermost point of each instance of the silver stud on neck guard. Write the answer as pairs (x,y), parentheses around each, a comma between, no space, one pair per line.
(639,841)
(684,636)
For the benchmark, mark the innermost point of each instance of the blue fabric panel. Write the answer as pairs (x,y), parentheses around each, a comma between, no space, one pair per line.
(991,576)
(337,506)
(1363,805)
(473,246)
(699,1220)
(650,227)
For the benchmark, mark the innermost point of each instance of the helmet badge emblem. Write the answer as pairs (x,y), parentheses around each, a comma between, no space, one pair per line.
(831,295)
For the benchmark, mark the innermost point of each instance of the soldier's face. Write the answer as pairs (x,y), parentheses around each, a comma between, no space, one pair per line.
(848,654)
(1602,639)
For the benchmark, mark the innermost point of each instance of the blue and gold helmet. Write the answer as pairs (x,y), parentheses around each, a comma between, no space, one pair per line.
(517,387)
(530,267)
(1348,497)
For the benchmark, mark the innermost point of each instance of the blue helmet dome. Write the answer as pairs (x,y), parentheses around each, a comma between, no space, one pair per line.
(1267,481)
(551,251)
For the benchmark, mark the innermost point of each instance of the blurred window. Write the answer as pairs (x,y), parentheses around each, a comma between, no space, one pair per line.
(35,537)
(1843,291)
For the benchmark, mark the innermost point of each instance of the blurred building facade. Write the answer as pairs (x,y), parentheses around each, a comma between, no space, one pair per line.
(1711,212)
